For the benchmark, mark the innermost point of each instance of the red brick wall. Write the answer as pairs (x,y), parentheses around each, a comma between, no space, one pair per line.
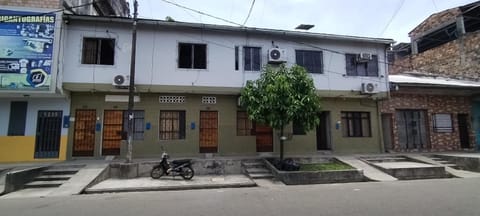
(32,3)
(434,21)
(457,59)
(432,104)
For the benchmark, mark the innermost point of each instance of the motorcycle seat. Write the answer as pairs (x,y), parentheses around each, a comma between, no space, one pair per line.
(178,162)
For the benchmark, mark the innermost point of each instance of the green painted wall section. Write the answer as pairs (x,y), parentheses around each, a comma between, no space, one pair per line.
(229,142)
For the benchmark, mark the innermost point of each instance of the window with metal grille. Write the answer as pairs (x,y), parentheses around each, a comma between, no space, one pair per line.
(172,125)
(298,128)
(356,124)
(310,60)
(251,58)
(355,67)
(192,56)
(138,123)
(98,51)
(245,126)
(442,123)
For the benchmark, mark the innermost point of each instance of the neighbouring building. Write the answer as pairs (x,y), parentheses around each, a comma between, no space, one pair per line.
(188,80)
(435,103)
(34,107)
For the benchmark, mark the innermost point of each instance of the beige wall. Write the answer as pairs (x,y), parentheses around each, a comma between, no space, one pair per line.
(228,142)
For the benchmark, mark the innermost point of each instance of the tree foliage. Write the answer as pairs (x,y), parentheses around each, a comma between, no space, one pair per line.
(282,95)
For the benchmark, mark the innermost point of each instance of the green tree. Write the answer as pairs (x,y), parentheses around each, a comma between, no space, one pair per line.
(280,96)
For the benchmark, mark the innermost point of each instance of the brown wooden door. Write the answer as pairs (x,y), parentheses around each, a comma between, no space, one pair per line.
(264,138)
(112,132)
(84,133)
(208,131)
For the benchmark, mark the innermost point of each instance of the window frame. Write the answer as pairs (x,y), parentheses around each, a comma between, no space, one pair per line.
(251,61)
(249,129)
(298,128)
(352,70)
(357,120)
(303,52)
(438,129)
(181,133)
(135,128)
(98,51)
(192,56)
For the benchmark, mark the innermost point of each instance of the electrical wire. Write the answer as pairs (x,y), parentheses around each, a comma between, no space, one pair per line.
(393,16)
(249,12)
(203,13)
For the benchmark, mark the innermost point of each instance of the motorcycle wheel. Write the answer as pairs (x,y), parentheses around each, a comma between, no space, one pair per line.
(187,173)
(156,172)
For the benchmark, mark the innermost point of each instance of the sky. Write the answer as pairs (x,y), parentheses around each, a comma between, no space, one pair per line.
(370,18)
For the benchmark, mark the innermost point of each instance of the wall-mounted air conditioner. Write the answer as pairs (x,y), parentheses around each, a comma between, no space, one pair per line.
(276,55)
(364,57)
(121,80)
(369,88)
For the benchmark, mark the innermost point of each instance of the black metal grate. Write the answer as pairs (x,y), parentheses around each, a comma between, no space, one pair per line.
(49,129)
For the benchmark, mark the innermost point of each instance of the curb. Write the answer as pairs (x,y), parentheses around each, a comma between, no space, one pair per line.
(168,188)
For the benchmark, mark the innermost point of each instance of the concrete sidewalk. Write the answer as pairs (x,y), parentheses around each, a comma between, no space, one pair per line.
(368,171)
(169,183)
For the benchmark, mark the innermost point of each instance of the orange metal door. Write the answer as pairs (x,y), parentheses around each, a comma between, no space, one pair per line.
(112,132)
(84,133)
(208,131)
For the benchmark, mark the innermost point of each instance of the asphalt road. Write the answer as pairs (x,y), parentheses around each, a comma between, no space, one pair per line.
(449,197)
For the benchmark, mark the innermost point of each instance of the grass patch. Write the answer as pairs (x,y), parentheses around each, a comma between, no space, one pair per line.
(325,166)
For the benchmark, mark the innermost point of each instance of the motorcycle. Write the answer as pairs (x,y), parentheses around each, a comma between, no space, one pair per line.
(182,168)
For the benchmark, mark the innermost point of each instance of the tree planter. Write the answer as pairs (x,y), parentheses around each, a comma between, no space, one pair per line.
(316,177)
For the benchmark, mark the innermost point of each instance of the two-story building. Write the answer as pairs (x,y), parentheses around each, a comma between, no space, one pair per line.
(434,104)
(188,80)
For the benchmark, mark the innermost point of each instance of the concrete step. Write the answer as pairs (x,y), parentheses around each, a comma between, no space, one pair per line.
(253,165)
(52,177)
(62,171)
(261,175)
(451,165)
(43,184)
(257,170)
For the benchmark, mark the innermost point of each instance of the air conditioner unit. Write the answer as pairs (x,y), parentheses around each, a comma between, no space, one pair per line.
(369,88)
(121,80)
(364,57)
(276,55)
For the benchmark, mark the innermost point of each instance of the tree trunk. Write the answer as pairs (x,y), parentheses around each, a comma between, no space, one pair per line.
(281,143)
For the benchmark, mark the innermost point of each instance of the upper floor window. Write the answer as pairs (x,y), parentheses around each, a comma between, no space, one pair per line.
(251,58)
(310,60)
(361,67)
(192,56)
(98,51)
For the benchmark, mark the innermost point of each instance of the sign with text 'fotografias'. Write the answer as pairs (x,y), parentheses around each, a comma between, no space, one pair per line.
(26,50)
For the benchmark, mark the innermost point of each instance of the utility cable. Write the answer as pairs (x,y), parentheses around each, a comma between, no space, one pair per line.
(202,13)
(249,12)
(393,16)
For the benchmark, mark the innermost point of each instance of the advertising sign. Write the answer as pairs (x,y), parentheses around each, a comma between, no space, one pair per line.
(26,50)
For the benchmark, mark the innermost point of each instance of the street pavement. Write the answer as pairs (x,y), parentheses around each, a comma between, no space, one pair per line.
(439,197)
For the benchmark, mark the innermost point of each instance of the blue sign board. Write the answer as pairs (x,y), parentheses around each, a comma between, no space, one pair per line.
(26,50)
